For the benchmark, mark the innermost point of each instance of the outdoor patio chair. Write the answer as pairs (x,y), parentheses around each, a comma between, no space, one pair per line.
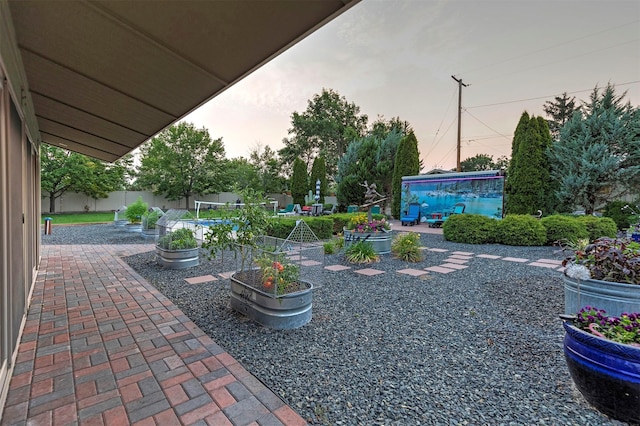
(288,211)
(411,216)
(352,209)
(375,210)
(332,210)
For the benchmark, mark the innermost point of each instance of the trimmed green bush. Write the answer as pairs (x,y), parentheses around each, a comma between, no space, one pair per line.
(470,229)
(598,227)
(564,228)
(282,227)
(520,230)
(622,218)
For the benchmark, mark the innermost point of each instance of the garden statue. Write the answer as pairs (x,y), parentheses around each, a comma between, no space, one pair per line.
(371,198)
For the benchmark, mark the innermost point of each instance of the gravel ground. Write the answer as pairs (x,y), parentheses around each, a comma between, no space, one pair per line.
(479,346)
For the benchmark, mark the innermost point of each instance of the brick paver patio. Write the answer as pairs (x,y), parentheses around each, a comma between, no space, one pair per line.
(101,346)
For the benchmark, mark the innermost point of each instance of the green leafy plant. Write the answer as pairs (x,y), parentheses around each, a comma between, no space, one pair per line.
(622,329)
(150,219)
(180,239)
(406,246)
(361,252)
(135,211)
(329,247)
(278,272)
(606,259)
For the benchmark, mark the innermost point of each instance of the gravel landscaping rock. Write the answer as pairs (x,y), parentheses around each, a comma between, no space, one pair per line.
(478,346)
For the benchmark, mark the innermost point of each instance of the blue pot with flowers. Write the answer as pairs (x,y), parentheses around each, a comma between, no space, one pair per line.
(377,232)
(603,357)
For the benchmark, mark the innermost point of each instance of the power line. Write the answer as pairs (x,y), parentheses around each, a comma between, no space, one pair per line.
(554,46)
(486,125)
(544,97)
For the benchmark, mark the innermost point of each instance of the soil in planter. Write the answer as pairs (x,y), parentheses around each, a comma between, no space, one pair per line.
(253,278)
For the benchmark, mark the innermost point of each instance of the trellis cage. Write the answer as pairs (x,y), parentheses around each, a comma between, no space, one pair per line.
(272,260)
(119,217)
(150,220)
(175,219)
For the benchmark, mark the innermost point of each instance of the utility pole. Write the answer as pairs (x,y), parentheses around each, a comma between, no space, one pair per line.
(460,84)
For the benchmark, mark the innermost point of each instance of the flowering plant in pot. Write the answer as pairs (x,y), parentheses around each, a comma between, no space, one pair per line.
(361,223)
(605,273)
(603,357)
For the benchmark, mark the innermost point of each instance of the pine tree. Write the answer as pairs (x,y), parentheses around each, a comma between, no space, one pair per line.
(299,183)
(407,163)
(528,176)
(597,157)
(560,111)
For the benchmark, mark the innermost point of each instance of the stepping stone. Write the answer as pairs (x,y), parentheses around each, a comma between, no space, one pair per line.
(439,269)
(336,268)
(463,253)
(489,256)
(453,266)
(438,250)
(458,261)
(310,263)
(561,269)
(369,272)
(551,261)
(543,265)
(461,257)
(227,275)
(200,280)
(412,272)
(515,259)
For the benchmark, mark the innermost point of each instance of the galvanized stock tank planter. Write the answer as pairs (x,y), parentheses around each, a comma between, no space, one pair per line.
(615,298)
(178,249)
(380,240)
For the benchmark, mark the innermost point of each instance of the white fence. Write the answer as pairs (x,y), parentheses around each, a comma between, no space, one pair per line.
(75,202)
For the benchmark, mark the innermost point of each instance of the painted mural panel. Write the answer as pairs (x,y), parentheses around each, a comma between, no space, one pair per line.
(477,192)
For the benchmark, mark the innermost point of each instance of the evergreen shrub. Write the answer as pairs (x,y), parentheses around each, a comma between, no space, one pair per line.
(564,228)
(520,230)
(599,227)
(470,229)
(622,218)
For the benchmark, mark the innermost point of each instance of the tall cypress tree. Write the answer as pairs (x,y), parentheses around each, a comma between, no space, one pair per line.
(528,176)
(407,163)
(299,181)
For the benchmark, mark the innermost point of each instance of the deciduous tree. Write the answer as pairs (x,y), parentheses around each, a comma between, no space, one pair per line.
(182,161)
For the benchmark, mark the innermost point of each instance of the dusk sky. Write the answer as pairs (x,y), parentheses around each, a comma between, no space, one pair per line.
(395,58)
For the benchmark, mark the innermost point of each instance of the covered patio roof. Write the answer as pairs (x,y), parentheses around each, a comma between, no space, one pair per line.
(102,77)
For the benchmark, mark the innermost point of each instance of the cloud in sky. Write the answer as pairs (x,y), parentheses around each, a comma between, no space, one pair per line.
(396,58)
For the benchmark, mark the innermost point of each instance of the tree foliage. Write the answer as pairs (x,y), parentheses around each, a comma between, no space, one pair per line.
(182,161)
(239,173)
(325,129)
(528,178)
(299,181)
(407,163)
(560,110)
(63,171)
(483,162)
(269,169)
(597,156)
(319,172)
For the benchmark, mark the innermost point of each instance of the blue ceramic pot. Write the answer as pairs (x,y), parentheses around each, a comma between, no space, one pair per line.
(605,372)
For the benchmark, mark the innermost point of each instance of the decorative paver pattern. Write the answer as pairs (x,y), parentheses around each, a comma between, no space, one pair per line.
(453,266)
(103,346)
(455,260)
(488,256)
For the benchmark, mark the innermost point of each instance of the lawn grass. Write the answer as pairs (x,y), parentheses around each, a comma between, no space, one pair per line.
(72,218)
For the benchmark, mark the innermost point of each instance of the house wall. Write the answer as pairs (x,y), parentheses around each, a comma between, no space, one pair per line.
(19,218)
